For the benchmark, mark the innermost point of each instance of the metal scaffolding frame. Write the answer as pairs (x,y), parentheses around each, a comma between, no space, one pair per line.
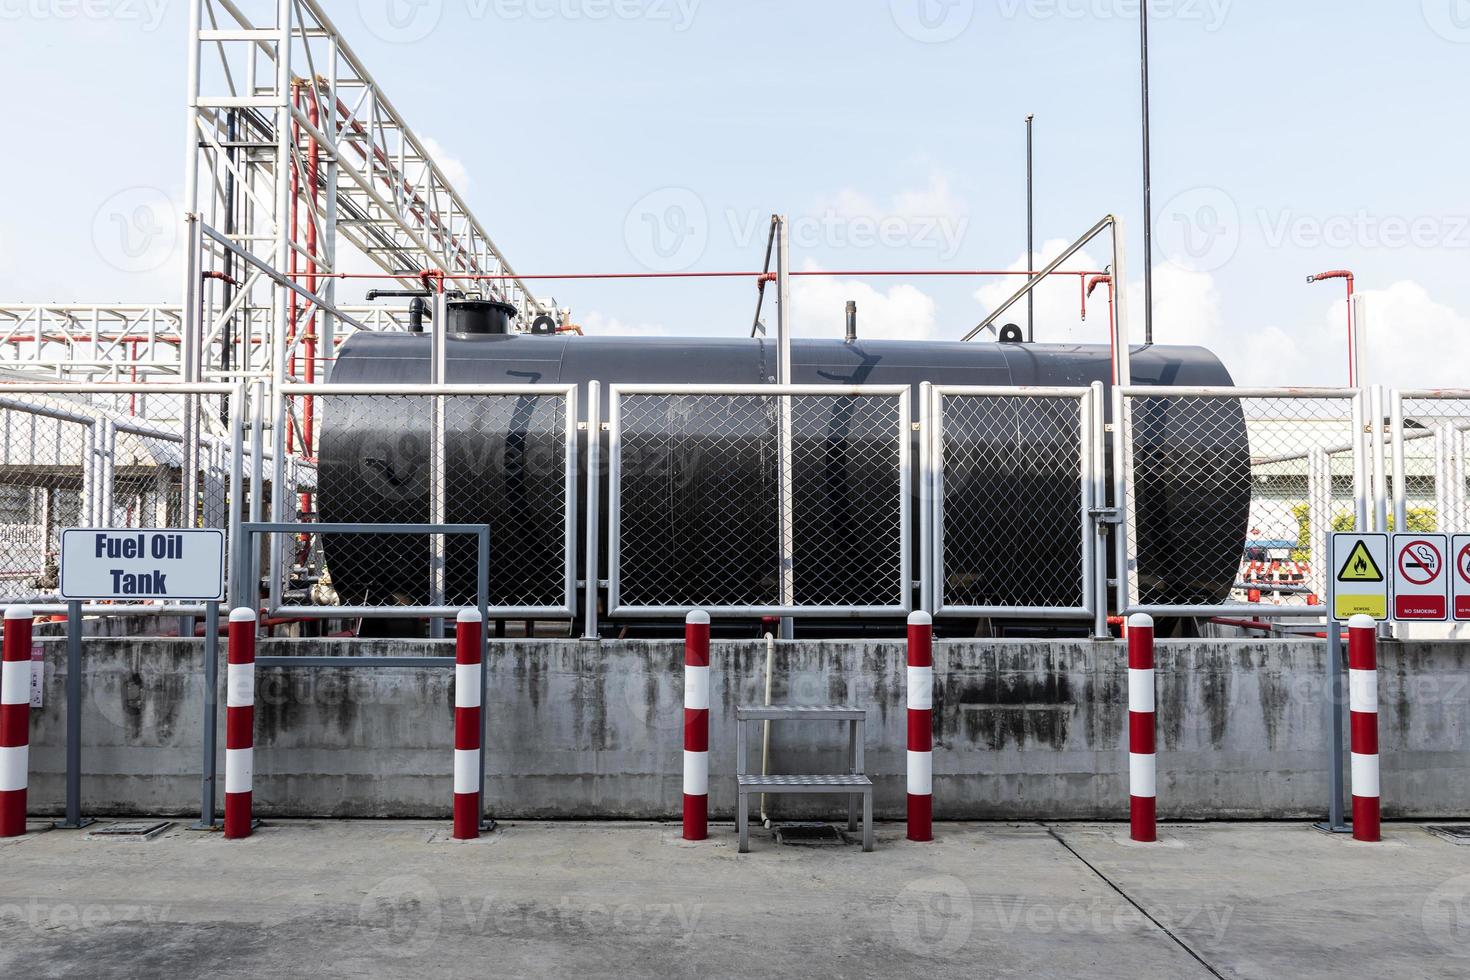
(292,151)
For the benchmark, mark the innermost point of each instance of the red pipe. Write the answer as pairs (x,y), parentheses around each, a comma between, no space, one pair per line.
(1343,274)
(768,276)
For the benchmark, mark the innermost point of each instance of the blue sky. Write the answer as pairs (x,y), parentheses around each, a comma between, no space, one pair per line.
(1288,138)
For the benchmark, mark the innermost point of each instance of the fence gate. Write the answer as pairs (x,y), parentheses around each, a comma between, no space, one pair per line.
(1199,470)
(1014,479)
(701,517)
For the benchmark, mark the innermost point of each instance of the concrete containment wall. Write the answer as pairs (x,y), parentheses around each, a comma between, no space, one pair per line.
(1024,729)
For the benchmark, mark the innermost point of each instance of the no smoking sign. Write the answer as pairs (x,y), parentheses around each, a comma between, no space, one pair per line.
(1460,580)
(1421,580)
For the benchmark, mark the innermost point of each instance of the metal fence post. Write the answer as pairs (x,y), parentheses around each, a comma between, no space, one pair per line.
(1400,487)
(74,819)
(211,716)
(783,377)
(590,564)
(929,409)
(1099,569)
(1335,823)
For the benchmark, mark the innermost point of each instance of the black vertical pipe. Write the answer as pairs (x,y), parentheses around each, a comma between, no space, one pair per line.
(1148,208)
(1030,236)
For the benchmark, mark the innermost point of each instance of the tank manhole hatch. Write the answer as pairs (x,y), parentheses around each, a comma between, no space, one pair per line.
(1457,834)
(131,830)
(809,835)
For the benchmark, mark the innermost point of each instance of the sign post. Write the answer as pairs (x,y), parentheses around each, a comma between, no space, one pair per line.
(1460,577)
(1358,586)
(129,564)
(1421,577)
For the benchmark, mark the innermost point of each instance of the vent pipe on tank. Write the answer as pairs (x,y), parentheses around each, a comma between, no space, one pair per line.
(851,321)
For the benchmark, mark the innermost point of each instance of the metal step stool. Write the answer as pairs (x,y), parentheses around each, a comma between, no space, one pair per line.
(852,784)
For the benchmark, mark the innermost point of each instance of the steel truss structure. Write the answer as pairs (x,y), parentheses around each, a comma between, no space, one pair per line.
(123,342)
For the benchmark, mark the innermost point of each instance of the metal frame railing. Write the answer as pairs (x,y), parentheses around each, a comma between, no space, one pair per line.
(1091,490)
(1451,458)
(204,457)
(786,556)
(1387,474)
(1127,597)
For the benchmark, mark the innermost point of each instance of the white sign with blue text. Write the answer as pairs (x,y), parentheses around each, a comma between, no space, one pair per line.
(128,563)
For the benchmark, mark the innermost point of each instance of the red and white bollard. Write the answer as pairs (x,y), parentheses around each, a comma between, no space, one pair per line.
(240,724)
(696,725)
(467,672)
(1142,785)
(921,727)
(15,721)
(1363,709)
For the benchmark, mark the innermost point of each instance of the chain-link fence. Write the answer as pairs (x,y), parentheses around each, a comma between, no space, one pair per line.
(117,456)
(501,456)
(699,515)
(1430,462)
(1228,495)
(1014,482)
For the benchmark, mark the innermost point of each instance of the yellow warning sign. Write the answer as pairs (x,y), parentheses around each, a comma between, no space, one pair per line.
(1359,567)
(1359,586)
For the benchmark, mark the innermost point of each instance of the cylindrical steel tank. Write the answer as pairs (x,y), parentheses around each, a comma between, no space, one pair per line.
(1191,462)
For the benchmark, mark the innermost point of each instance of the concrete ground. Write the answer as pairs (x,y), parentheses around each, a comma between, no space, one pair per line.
(327,898)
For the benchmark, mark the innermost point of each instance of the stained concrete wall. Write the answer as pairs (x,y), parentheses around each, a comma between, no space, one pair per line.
(1023,729)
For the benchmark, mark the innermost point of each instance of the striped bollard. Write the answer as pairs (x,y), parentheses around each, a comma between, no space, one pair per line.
(240,724)
(1363,709)
(15,721)
(467,670)
(1142,787)
(921,727)
(696,725)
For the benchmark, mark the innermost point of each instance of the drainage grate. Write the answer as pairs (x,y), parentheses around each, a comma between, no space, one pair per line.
(1458,834)
(809,834)
(136,830)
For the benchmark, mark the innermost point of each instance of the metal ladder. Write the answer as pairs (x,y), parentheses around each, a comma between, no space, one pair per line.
(852,784)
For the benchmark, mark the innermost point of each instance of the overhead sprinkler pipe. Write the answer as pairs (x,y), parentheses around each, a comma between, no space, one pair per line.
(1352,338)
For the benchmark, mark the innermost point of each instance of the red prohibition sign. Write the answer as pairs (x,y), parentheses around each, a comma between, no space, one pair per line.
(1464,563)
(1413,562)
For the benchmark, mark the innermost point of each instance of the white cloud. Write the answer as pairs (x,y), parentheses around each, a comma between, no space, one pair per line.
(819,305)
(1058,301)
(599,324)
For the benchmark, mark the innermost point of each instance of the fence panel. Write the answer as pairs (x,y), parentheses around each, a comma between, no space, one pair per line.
(698,512)
(1228,495)
(1430,468)
(154,455)
(1013,487)
(508,461)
